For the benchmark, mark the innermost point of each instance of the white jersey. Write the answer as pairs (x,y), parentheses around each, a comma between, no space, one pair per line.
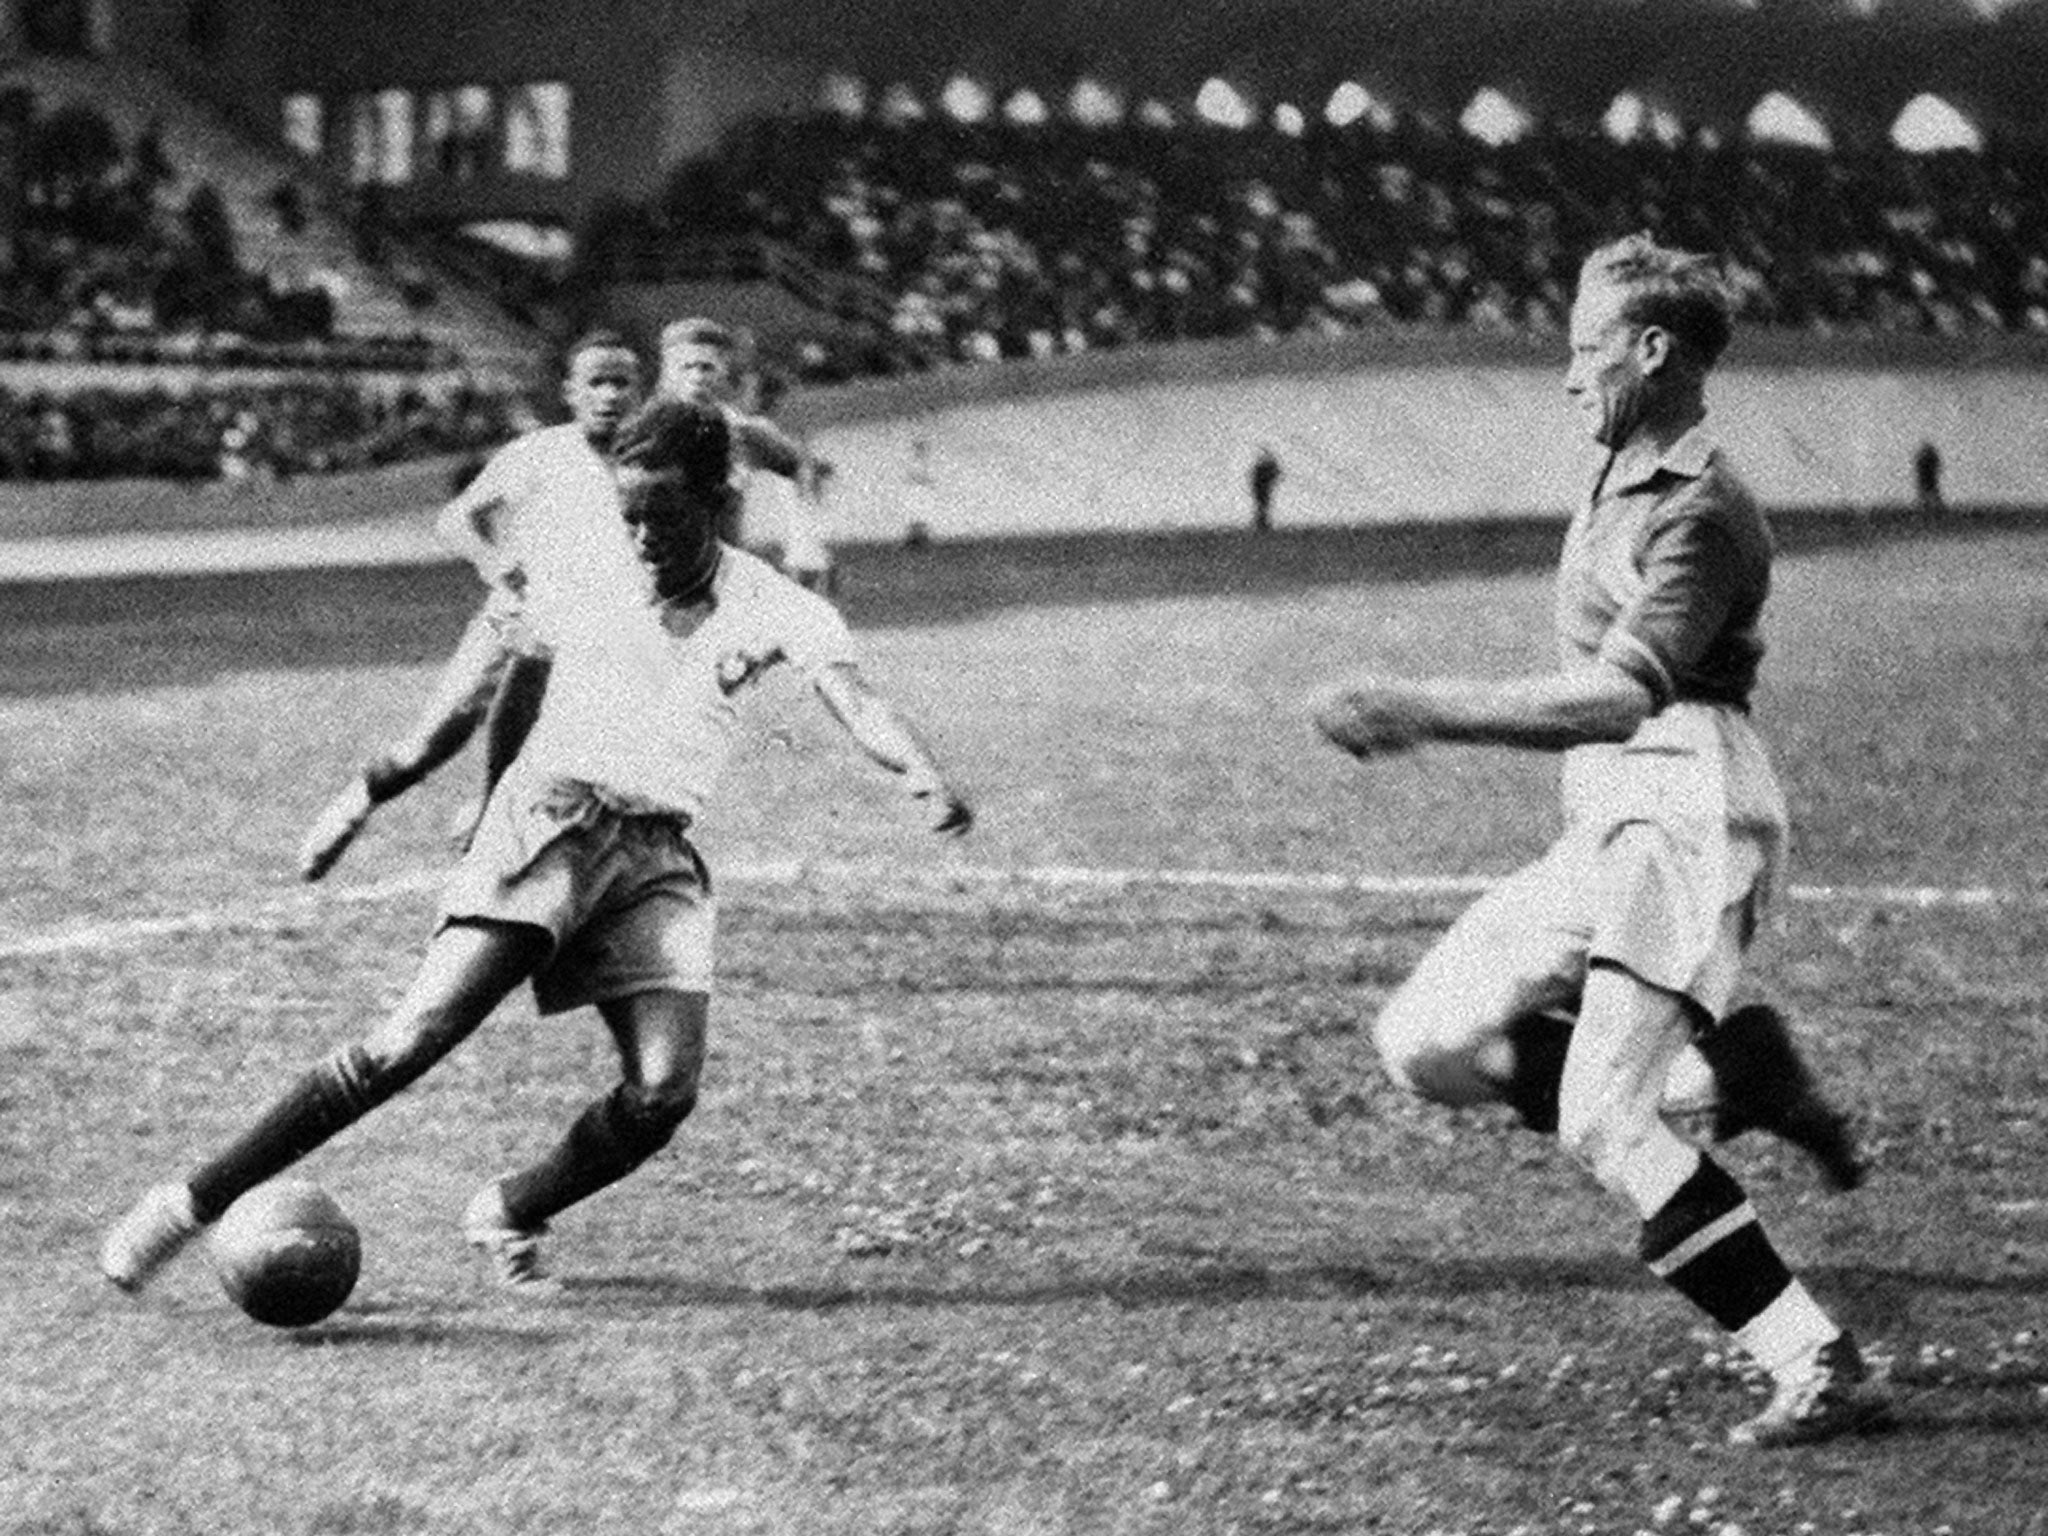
(648,713)
(565,528)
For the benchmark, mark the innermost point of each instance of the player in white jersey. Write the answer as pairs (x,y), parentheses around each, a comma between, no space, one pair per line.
(582,878)
(542,521)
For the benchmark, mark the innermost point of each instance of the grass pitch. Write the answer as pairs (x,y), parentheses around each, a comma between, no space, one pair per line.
(1015,1207)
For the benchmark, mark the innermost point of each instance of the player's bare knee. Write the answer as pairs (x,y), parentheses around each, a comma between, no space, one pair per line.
(648,1114)
(1418,1058)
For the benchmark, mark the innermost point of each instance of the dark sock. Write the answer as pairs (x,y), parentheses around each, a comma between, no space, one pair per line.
(325,1101)
(608,1141)
(1707,1243)
(384,778)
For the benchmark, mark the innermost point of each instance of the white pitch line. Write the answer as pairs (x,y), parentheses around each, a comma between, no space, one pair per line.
(309,903)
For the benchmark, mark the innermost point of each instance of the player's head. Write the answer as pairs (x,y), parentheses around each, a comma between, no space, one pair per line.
(673,459)
(1648,324)
(696,360)
(601,383)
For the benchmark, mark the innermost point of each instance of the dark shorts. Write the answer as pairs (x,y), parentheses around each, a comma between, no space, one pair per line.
(623,894)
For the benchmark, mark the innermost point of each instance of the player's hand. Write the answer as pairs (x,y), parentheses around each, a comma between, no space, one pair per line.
(946,810)
(334,829)
(1369,718)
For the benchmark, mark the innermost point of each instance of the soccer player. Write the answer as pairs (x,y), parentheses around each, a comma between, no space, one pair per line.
(541,521)
(582,878)
(1573,990)
(697,364)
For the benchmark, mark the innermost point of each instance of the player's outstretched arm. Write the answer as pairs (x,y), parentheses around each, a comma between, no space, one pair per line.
(768,447)
(1377,717)
(885,736)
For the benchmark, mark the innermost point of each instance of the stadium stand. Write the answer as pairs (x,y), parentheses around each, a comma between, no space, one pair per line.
(167,312)
(1006,241)
(288,225)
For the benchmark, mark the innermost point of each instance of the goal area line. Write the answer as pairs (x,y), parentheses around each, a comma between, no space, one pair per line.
(778,873)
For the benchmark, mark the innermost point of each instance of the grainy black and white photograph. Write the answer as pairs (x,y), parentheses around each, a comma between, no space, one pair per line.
(1024,768)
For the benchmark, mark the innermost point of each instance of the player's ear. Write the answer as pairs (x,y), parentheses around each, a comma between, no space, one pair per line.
(1653,349)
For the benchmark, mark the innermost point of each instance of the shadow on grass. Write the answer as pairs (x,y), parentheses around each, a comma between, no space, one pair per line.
(1225,1284)
(180,630)
(357,1331)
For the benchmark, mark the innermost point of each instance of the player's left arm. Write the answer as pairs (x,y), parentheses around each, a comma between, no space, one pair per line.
(880,730)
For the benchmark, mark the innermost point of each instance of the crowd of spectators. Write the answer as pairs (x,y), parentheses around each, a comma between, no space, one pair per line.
(242,433)
(109,255)
(103,242)
(998,239)
(1005,240)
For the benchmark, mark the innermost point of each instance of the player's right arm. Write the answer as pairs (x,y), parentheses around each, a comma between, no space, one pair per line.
(472,525)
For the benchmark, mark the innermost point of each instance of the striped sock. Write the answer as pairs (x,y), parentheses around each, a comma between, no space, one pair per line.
(1707,1243)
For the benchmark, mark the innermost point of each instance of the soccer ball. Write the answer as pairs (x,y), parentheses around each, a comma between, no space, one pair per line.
(286,1253)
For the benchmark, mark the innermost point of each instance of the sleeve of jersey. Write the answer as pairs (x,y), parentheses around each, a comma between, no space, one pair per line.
(1691,582)
(502,474)
(813,636)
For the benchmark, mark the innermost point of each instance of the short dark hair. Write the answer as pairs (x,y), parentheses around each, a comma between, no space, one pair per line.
(600,338)
(1681,292)
(698,331)
(675,459)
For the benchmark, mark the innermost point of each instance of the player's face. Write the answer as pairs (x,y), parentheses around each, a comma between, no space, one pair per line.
(690,370)
(1606,378)
(675,531)
(602,388)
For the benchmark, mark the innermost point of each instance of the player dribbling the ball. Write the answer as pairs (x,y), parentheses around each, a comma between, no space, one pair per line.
(583,878)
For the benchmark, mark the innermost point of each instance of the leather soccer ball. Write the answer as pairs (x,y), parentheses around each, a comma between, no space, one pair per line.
(286,1253)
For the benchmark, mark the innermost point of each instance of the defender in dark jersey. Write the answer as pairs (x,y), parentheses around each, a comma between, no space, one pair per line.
(1585,990)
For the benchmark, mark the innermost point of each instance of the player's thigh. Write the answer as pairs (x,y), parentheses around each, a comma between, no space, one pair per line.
(1519,949)
(468,969)
(661,1035)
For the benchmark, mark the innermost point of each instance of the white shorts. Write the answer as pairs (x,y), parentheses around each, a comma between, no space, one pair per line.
(622,893)
(1670,850)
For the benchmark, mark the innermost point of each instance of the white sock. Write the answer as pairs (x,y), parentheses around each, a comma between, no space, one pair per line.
(1788,1331)
(1657,1169)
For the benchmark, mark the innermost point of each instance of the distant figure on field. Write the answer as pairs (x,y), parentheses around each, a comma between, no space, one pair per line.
(1264,477)
(920,491)
(1927,480)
